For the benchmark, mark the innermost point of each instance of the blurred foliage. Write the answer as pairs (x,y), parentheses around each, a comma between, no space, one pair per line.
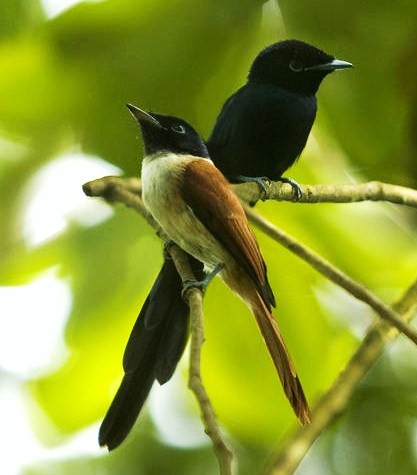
(63,87)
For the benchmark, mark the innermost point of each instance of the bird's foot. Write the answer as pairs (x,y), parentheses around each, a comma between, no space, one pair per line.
(200,284)
(262,181)
(295,187)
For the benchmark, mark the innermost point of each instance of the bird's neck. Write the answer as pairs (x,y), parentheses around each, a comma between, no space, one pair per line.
(302,89)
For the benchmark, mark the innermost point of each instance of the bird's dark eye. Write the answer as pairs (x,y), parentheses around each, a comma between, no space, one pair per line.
(180,129)
(296,65)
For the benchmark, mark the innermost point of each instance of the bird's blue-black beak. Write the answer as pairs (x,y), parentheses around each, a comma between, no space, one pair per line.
(142,116)
(331,66)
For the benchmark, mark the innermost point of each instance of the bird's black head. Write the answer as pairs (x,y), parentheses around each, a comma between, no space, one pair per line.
(165,133)
(293,65)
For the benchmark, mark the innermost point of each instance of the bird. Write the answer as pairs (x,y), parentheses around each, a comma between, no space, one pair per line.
(267,114)
(198,210)
(264,126)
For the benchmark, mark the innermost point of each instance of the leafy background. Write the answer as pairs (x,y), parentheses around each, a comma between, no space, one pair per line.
(74,272)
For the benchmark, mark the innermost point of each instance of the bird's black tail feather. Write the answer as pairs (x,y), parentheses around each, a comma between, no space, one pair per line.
(154,348)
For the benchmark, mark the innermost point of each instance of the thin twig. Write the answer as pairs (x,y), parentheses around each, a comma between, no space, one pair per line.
(195,382)
(336,399)
(332,273)
(123,190)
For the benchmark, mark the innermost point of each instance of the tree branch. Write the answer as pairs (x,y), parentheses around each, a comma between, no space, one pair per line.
(336,399)
(250,193)
(332,273)
(371,191)
(195,383)
(125,190)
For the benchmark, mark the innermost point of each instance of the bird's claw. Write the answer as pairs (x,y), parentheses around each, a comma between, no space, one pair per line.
(192,284)
(263,182)
(200,284)
(295,187)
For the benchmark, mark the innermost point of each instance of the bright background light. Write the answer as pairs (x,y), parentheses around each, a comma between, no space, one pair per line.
(33,316)
(56,7)
(54,197)
(32,320)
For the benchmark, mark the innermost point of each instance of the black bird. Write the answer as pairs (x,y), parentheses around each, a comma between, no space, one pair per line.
(263,127)
(260,132)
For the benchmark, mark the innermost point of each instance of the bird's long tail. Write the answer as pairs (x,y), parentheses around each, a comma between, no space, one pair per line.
(154,348)
(282,360)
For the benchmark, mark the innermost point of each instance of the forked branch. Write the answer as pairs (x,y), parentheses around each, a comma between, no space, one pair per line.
(335,400)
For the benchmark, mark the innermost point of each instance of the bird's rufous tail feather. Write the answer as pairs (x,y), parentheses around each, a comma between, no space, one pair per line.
(282,361)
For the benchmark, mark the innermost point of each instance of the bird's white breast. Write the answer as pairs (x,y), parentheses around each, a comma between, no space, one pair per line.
(162,195)
(161,175)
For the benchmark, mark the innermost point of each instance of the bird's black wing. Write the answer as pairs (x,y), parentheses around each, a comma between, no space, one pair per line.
(227,121)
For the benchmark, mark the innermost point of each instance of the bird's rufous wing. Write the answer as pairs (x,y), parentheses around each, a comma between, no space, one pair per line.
(215,204)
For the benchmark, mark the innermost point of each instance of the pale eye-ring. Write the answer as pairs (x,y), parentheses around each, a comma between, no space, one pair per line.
(180,129)
(296,65)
